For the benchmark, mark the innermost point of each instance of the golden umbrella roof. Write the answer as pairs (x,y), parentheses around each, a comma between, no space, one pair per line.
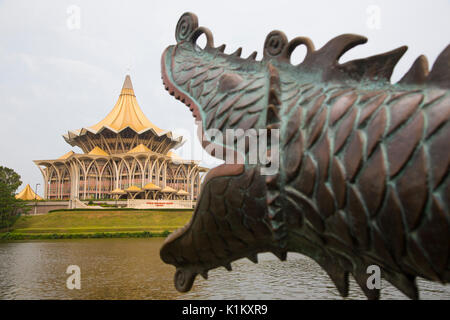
(182,193)
(138,149)
(151,187)
(118,191)
(67,155)
(98,152)
(133,189)
(27,194)
(168,190)
(126,113)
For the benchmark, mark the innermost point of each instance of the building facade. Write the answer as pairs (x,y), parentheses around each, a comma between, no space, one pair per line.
(124,155)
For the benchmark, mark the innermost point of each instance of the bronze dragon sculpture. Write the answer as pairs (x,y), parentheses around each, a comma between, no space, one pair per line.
(363,174)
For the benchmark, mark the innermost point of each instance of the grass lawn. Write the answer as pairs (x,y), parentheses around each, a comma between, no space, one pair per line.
(82,222)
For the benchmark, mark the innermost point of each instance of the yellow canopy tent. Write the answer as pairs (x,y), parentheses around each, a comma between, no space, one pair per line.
(134,191)
(168,192)
(151,187)
(118,191)
(182,193)
(28,194)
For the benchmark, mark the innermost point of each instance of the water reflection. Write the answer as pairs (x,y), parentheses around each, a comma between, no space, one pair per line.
(131,269)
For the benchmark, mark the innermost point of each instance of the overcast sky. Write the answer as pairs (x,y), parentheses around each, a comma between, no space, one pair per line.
(57,75)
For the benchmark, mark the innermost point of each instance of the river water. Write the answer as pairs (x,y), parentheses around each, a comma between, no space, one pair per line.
(132,269)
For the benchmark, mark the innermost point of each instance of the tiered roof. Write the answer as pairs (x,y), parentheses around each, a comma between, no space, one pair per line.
(126,115)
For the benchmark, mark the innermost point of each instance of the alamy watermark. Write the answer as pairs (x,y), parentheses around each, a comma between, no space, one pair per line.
(74,280)
(252,146)
(73,21)
(374,280)
(232,146)
(373,17)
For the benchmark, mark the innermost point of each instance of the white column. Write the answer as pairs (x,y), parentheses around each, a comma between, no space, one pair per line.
(165,174)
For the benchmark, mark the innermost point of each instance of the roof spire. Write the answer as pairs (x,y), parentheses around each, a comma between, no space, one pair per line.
(127,84)
(126,113)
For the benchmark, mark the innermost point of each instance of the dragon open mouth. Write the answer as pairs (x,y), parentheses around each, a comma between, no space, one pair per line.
(173,89)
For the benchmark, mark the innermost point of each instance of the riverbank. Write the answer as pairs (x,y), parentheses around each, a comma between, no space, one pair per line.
(72,224)
(8,236)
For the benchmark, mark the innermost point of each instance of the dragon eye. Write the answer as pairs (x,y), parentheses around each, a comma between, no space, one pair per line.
(229,81)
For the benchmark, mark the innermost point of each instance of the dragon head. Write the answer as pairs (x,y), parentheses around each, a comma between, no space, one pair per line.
(223,91)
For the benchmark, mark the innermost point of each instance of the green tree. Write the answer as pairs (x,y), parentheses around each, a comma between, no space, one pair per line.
(10,177)
(10,207)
